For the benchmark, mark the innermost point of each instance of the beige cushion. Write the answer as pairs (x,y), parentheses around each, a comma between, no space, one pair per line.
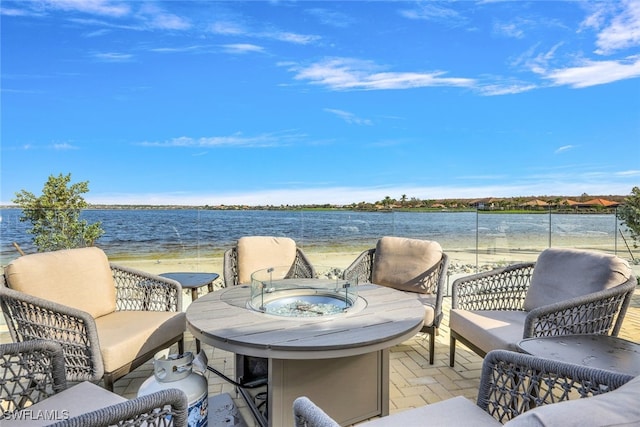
(454,412)
(562,274)
(259,252)
(402,263)
(489,329)
(120,343)
(429,303)
(615,408)
(78,278)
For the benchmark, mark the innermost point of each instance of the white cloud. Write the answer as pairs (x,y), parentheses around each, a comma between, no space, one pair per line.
(288,37)
(348,73)
(623,29)
(430,11)
(349,117)
(97,7)
(508,30)
(242,48)
(64,146)
(227,28)
(156,18)
(113,57)
(592,73)
(275,139)
(564,148)
(347,195)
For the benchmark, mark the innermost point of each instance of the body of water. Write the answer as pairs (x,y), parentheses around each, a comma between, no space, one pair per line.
(197,233)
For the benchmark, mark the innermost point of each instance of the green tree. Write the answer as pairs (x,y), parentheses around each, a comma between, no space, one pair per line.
(629,214)
(55,215)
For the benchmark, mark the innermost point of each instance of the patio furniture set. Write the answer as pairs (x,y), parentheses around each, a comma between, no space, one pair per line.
(106,320)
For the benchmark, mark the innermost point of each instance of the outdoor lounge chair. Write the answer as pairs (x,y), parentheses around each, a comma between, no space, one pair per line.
(108,319)
(253,253)
(33,387)
(416,267)
(566,291)
(517,390)
(29,373)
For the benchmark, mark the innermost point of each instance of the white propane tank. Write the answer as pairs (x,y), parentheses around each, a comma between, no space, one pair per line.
(177,371)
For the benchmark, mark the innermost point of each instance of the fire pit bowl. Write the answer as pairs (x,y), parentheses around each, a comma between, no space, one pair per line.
(274,291)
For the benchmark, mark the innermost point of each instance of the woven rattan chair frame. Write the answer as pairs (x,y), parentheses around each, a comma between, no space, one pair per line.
(163,408)
(301,267)
(506,288)
(361,269)
(511,384)
(32,318)
(29,372)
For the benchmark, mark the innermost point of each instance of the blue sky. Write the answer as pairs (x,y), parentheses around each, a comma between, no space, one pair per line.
(205,102)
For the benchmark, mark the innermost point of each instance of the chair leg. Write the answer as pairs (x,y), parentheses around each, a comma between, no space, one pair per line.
(452,350)
(108,382)
(432,345)
(181,345)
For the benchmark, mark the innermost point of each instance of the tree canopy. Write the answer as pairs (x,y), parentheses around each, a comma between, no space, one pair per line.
(55,215)
(629,214)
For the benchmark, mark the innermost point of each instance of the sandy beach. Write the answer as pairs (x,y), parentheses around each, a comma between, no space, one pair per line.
(461,263)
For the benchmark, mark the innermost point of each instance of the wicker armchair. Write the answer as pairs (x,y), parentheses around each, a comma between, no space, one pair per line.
(417,267)
(108,319)
(567,291)
(163,408)
(29,373)
(520,390)
(257,252)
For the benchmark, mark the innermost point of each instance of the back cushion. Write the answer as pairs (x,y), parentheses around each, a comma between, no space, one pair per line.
(615,408)
(401,263)
(78,278)
(259,252)
(562,274)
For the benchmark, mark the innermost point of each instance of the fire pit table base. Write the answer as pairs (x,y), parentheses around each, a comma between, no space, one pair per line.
(350,389)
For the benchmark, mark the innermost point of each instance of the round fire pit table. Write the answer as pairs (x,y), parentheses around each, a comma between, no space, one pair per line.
(340,361)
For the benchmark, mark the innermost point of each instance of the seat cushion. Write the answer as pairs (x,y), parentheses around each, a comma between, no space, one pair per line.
(562,274)
(259,252)
(403,263)
(489,329)
(429,303)
(79,278)
(454,412)
(125,335)
(615,408)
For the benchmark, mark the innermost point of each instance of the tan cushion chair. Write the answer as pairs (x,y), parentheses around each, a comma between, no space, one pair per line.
(254,253)
(109,319)
(516,390)
(416,267)
(567,291)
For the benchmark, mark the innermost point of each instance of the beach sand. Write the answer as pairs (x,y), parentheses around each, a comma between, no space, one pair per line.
(461,263)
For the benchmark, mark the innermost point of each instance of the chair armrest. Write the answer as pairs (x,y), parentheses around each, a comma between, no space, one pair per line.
(230,268)
(597,313)
(32,318)
(499,289)
(302,267)
(153,409)
(140,291)
(440,275)
(308,414)
(34,372)
(361,268)
(513,383)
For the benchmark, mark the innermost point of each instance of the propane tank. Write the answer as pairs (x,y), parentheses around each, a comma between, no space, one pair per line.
(180,371)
